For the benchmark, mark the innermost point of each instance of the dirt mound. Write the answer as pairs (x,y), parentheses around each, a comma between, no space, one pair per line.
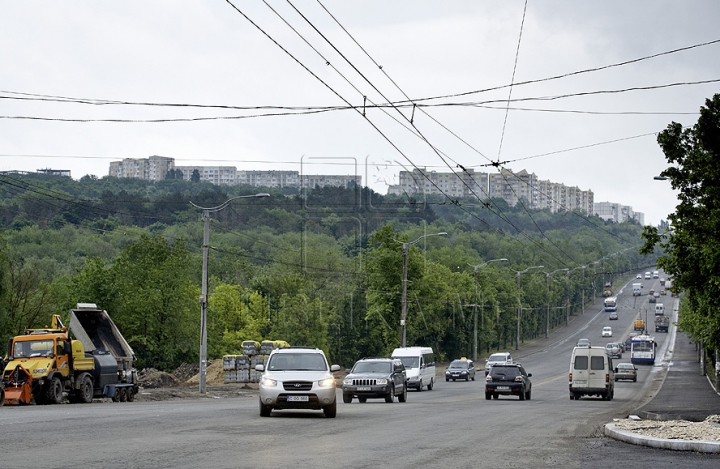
(186,371)
(152,378)
(214,374)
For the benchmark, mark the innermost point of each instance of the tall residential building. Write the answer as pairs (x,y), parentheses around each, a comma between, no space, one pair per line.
(461,184)
(512,187)
(617,213)
(220,175)
(153,168)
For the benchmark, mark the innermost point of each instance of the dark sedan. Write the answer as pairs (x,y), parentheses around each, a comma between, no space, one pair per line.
(460,369)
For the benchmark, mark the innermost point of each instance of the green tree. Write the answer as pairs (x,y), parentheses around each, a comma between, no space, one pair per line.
(692,246)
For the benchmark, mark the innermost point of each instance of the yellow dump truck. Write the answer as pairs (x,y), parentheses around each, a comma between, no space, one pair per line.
(45,365)
(639,325)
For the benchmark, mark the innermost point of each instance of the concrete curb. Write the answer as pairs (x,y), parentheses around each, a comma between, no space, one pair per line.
(701,446)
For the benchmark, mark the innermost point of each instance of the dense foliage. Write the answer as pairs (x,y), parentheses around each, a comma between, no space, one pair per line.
(691,244)
(322,267)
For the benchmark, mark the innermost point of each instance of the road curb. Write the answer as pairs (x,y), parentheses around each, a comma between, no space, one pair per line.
(701,446)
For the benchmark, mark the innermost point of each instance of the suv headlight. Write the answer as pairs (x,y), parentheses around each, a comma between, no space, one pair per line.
(381,381)
(269,383)
(348,381)
(326,383)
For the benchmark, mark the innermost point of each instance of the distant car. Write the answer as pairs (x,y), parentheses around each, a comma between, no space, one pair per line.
(583,343)
(652,299)
(625,371)
(376,378)
(607,331)
(663,292)
(639,276)
(613,350)
(613,316)
(460,369)
(508,380)
(628,341)
(501,358)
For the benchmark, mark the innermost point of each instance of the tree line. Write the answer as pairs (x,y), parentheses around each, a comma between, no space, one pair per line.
(321,267)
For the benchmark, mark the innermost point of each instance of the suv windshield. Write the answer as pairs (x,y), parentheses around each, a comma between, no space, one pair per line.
(508,372)
(372,367)
(297,362)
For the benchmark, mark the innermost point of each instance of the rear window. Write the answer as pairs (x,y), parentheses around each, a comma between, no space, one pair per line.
(597,363)
(581,362)
(506,371)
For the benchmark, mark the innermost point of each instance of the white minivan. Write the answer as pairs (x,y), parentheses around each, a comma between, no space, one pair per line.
(419,365)
(591,373)
(659,309)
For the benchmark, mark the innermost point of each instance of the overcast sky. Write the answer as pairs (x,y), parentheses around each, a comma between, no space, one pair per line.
(207,53)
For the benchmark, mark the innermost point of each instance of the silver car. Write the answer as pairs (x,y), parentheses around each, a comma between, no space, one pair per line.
(297,378)
(501,358)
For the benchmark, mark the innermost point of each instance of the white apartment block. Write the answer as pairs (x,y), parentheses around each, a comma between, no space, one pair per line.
(617,213)
(461,184)
(153,168)
(220,175)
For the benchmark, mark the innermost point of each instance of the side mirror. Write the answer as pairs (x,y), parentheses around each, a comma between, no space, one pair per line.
(616,370)
(259,367)
(334,368)
(529,375)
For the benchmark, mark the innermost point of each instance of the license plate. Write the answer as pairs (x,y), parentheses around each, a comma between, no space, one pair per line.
(363,388)
(503,388)
(298,398)
(580,381)
(455,375)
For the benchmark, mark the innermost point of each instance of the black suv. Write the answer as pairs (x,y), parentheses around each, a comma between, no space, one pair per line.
(375,377)
(509,380)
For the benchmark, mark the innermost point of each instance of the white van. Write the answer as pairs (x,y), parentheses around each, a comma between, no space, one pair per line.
(419,366)
(659,309)
(591,373)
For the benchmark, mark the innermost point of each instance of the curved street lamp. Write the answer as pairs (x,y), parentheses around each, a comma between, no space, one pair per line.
(403,309)
(203,295)
(520,272)
(475,338)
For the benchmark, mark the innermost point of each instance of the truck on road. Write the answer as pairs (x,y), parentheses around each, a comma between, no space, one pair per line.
(45,365)
(637,287)
(639,325)
(662,323)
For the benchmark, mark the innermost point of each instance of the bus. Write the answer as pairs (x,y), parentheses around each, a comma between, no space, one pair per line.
(642,350)
(610,304)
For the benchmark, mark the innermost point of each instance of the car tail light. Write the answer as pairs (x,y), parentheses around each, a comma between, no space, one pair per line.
(570,377)
(607,377)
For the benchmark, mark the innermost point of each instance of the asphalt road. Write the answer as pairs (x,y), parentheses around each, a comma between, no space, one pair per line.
(451,426)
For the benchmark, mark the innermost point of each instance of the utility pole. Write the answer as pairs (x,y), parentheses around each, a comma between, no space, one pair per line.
(475,305)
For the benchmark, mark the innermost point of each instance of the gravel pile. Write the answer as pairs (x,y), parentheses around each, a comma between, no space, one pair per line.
(152,378)
(708,430)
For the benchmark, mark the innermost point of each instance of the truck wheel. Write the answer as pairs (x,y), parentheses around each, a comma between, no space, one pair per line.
(130,394)
(85,392)
(54,392)
(432,382)
(123,394)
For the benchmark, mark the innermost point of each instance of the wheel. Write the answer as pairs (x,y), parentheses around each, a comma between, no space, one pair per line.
(123,394)
(572,397)
(635,379)
(264,410)
(85,391)
(391,395)
(577,396)
(54,392)
(430,386)
(467,378)
(496,396)
(522,394)
(488,396)
(420,386)
(347,398)
(473,378)
(362,399)
(447,379)
(528,395)
(403,397)
(331,410)
(130,394)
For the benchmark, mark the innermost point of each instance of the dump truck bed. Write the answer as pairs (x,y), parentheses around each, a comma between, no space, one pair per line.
(97,332)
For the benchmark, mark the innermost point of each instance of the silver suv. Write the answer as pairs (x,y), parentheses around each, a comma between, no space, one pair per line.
(500,358)
(297,378)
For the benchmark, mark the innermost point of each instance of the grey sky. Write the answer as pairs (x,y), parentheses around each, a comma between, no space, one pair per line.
(205,52)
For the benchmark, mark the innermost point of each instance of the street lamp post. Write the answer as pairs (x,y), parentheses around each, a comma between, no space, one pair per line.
(519,313)
(547,316)
(203,295)
(403,303)
(475,328)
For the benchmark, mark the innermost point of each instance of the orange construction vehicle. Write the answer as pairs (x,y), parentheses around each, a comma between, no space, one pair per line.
(45,365)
